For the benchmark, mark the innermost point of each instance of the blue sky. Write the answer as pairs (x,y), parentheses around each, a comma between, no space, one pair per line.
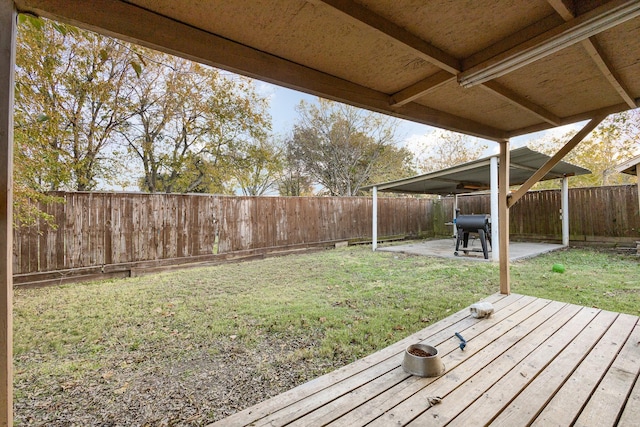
(412,135)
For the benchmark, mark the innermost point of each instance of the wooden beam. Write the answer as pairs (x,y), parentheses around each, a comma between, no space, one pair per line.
(122,20)
(427,51)
(607,70)
(503,217)
(447,63)
(588,115)
(544,169)
(565,8)
(7,64)
(520,101)
(584,26)
(421,88)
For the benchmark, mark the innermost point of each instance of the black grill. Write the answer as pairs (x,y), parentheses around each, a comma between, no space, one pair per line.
(479,224)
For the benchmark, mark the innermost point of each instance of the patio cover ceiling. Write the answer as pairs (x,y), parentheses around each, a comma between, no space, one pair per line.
(475,175)
(490,68)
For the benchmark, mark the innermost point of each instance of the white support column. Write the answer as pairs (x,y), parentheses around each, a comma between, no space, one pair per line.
(503,216)
(7,64)
(374,220)
(565,211)
(455,215)
(495,217)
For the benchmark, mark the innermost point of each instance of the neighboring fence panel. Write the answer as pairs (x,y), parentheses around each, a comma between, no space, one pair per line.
(596,214)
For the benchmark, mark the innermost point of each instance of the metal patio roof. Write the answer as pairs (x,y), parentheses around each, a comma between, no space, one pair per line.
(475,175)
(629,167)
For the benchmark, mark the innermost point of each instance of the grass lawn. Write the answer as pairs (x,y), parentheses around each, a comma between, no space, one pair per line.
(193,346)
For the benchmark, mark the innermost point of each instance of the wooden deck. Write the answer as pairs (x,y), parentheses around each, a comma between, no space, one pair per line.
(534,362)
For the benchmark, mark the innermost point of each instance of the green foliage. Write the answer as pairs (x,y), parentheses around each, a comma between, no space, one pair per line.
(343,148)
(189,123)
(615,140)
(449,149)
(70,88)
(257,168)
(92,110)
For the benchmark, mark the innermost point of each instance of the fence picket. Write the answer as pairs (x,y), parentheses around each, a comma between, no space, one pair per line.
(105,228)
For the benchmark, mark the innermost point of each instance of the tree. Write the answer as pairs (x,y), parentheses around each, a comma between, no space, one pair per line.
(294,181)
(187,119)
(344,148)
(449,149)
(615,140)
(257,168)
(70,90)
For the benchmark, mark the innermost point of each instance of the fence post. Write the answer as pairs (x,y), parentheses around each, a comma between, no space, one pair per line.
(374,219)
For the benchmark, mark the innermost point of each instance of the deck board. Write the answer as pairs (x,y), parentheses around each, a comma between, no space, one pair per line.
(534,361)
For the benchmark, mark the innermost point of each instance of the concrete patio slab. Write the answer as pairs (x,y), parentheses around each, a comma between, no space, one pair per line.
(444,248)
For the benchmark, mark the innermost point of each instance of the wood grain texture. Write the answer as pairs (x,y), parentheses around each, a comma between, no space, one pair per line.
(534,361)
(98,229)
(7,64)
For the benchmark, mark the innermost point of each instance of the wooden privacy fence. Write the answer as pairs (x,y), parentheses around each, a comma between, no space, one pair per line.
(98,230)
(596,214)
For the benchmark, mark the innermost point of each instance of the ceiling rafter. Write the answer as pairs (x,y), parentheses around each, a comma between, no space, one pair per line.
(427,51)
(595,52)
(584,26)
(451,66)
(421,88)
(176,38)
(522,102)
(565,8)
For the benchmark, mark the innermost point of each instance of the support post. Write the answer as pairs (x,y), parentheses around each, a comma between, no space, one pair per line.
(565,211)
(503,217)
(495,216)
(455,215)
(374,220)
(7,63)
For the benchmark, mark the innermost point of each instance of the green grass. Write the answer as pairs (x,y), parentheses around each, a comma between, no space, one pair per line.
(340,304)
(591,278)
(358,301)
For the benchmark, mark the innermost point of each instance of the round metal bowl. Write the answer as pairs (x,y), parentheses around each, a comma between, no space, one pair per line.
(422,360)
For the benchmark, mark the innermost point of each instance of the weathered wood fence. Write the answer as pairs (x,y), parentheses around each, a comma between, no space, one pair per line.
(596,214)
(97,230)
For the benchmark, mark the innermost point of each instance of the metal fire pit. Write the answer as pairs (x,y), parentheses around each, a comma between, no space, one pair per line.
(479,224)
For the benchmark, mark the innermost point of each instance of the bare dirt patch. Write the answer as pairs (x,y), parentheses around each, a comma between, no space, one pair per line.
(206,386)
